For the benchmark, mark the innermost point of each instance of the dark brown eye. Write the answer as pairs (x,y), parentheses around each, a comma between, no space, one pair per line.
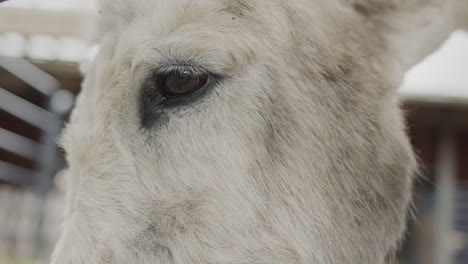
(180,83)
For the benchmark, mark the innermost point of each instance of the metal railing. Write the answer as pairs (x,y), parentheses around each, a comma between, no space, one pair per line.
(49,120)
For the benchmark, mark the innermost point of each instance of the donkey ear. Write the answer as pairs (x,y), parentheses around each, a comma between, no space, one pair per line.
(413,28)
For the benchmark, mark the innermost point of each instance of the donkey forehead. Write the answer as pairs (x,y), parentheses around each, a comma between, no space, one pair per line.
(229,29)
(170,15)
(140,7)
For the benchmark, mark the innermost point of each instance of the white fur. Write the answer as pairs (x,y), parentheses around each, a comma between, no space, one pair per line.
(299,155)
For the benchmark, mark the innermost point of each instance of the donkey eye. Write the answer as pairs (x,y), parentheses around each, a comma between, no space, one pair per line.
(180,83)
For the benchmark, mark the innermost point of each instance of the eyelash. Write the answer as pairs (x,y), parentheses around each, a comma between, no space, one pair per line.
(178,69)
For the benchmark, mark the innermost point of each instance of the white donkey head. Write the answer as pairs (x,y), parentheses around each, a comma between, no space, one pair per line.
(246,131)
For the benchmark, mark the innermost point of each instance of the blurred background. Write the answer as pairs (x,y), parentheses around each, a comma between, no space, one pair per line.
(41,43)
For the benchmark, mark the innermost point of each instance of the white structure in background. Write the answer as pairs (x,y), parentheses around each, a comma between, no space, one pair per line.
(12,44)
(51,30)
(58,5)
(443,76)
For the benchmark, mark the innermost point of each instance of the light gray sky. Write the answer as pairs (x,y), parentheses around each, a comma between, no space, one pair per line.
(444,73)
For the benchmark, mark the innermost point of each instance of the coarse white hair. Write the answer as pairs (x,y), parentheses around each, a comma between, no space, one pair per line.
(293,151)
